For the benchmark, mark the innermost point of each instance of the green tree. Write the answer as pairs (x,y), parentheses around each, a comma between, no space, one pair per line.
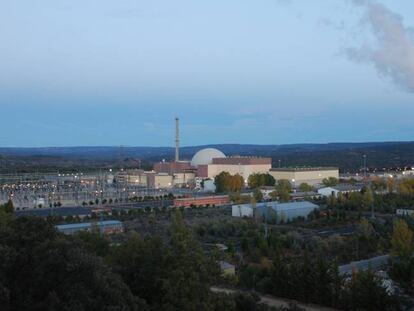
(283,189)
(94,242)
(355,200)
(331,201)
(365,292)
(365,238)
(260,180)
(378,184)
(169,276)
(221,181)
(390,184)
(226,182)
(8,207)
(6,213)
(402,240)
(331,181)
(304,187)
(273,195)
(284,185)
(367,199)
(236,183)
(406,187)
(258,195)
(58,273)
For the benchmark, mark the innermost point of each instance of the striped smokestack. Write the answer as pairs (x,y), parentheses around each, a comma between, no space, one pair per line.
(177,139)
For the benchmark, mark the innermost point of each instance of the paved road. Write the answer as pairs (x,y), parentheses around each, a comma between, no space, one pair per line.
(81,211)
(374,263)
(347,230)
(276,302)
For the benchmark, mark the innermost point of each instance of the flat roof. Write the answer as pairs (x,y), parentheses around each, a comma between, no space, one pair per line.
(373,263)
(82,225)
(224,196)
(303,169)
(290,205)
(345,187)
(282,206)
(242,161)
(306,193)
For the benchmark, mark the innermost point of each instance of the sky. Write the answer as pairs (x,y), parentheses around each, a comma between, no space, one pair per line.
(107,73)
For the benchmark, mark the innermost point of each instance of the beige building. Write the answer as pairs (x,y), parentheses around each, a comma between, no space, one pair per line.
(166,180)
(159,180)
(309,175)
(183,178)
(138,179)
(132,177)
(244,166)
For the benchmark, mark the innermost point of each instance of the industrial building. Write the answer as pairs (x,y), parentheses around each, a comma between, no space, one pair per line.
(172,167)
(216,200)
(244,166)
(404,212)
(207,163)
(275,211)
(183,179)
(105,227)
(176,173)
(309,175)
(205,156)
(336,190)
(134,177)
(210,162)
(159,180)
(295,196)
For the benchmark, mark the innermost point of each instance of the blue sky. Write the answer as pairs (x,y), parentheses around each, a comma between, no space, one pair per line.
(237,71)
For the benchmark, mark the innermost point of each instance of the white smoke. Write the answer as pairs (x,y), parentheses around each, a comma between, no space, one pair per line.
(392,53)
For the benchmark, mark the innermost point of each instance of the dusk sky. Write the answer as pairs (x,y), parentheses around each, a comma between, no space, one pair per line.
(105,72)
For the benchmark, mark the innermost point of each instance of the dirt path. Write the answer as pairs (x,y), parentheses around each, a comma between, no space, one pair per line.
(276,302)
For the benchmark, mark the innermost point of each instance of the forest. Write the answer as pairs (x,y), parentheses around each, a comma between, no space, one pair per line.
(163,262)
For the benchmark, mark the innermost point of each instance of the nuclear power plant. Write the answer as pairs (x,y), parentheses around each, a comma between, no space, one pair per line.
(193,173)
(207,163)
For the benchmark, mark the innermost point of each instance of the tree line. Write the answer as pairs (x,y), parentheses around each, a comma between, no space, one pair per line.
(42,269)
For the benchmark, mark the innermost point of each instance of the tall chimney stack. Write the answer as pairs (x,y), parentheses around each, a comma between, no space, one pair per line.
(177,139)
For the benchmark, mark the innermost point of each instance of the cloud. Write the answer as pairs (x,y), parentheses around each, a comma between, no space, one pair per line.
(392,52)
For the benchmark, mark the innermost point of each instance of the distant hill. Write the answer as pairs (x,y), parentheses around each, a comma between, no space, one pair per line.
(113,152)
(347,156)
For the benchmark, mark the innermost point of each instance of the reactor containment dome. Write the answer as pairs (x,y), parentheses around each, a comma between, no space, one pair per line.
(206,156)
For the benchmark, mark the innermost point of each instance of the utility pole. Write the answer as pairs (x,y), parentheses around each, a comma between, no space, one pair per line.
(365,166)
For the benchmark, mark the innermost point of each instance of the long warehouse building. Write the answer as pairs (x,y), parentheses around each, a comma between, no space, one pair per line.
(309,175)
(274,211)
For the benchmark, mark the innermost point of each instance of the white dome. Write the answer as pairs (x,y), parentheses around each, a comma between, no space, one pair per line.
(206,156)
